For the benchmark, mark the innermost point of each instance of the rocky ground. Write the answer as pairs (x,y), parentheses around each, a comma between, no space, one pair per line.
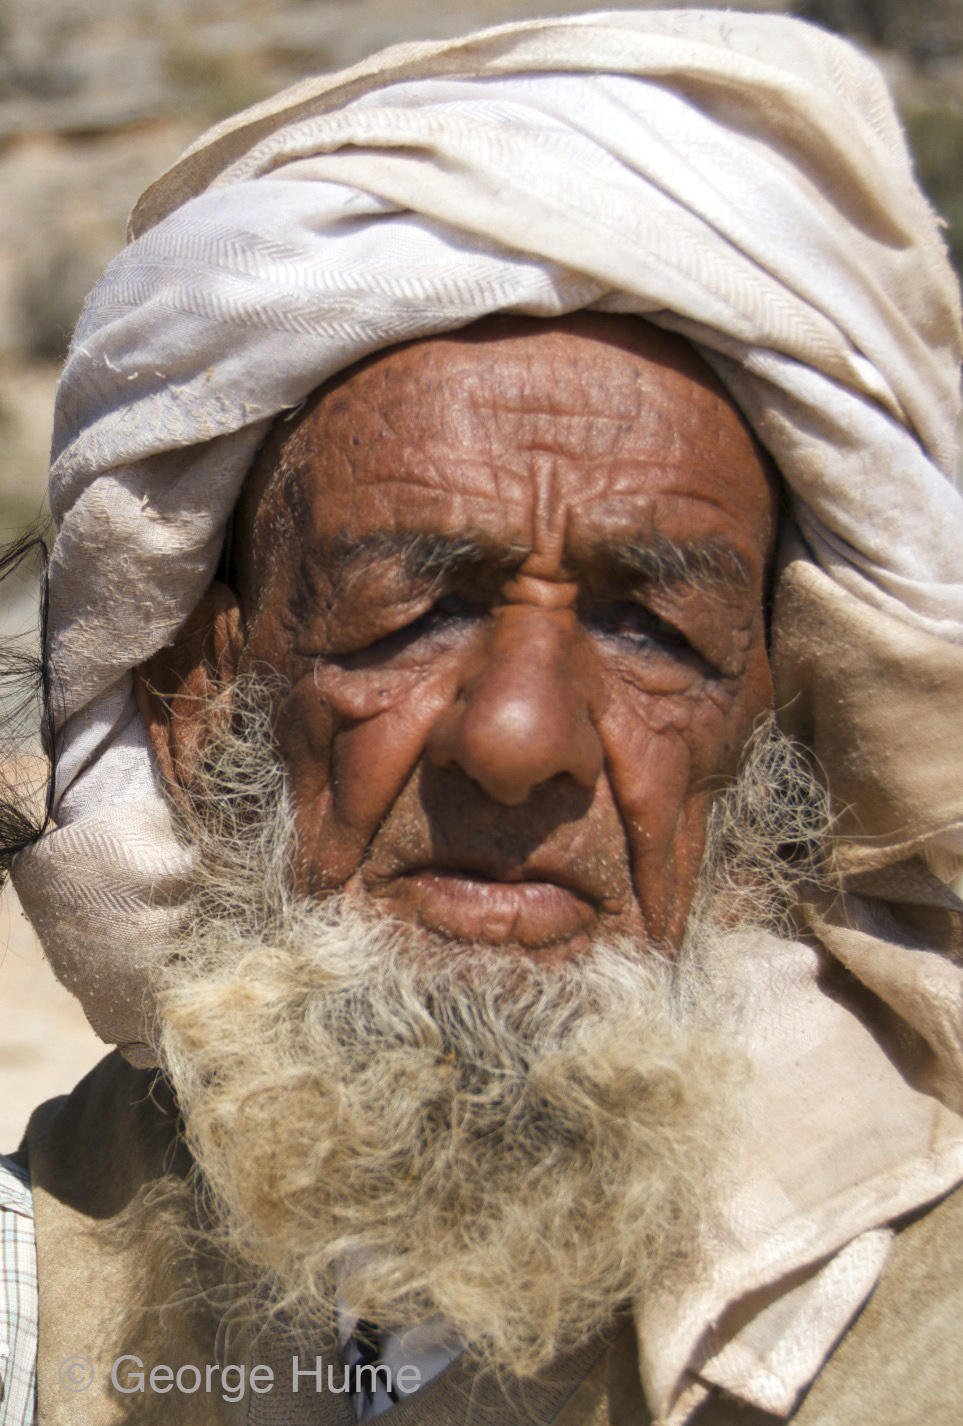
(98,96)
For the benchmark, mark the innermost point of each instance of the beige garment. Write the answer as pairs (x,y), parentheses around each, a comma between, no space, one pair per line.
(841,1129)
(98,1156)
(901,1363)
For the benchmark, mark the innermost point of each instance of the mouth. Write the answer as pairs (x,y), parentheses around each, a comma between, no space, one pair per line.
(527,907)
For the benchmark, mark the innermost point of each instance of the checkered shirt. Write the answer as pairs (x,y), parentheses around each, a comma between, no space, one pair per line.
(18,1298)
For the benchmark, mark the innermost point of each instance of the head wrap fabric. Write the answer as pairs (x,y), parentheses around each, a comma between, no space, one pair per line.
(742,180)
(739,179)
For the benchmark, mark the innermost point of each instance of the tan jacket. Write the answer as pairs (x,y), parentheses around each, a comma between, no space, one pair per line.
(119,1276)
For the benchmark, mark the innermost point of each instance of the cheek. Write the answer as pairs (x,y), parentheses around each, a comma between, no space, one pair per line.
(666,755)
(350,742)
(650,760)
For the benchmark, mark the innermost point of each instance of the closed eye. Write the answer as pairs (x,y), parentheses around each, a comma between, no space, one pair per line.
(445,614)
(640,628)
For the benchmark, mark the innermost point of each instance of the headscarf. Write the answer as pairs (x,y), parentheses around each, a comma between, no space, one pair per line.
(739,179)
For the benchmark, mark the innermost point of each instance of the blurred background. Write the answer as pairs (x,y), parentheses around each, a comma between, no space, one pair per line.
(97,97)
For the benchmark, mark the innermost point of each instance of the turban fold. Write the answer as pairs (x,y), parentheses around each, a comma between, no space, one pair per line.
(739,179)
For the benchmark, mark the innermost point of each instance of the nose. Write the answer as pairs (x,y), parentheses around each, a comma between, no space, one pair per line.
(523,713)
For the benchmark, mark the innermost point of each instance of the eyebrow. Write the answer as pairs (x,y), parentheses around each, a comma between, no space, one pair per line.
(422,555)
(655,559)
(703,564)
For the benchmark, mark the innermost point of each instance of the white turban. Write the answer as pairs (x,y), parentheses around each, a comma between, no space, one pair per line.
(740,179)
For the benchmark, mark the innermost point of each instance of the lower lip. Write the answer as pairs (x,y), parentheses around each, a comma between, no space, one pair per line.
(530,914)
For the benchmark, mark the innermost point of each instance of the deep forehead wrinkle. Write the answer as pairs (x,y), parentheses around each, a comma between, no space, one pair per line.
(574,418)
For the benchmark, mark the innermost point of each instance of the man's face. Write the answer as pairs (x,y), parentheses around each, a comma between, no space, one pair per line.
(515,580)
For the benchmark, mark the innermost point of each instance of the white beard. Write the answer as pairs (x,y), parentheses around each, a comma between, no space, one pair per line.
(520,1149)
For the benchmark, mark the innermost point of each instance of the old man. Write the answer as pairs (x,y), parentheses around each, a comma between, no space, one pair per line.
(467,457)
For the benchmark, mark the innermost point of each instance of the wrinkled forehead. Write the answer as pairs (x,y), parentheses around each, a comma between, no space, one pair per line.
(591,408)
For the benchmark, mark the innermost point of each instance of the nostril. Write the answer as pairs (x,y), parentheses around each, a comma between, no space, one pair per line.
(510,740)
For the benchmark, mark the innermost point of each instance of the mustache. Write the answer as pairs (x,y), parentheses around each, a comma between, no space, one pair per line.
(512,834)
(562,834)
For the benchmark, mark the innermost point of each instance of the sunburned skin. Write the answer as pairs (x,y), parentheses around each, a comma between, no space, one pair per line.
(515,579)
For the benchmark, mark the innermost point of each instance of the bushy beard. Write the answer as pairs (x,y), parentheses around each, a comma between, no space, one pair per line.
(517,1148)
